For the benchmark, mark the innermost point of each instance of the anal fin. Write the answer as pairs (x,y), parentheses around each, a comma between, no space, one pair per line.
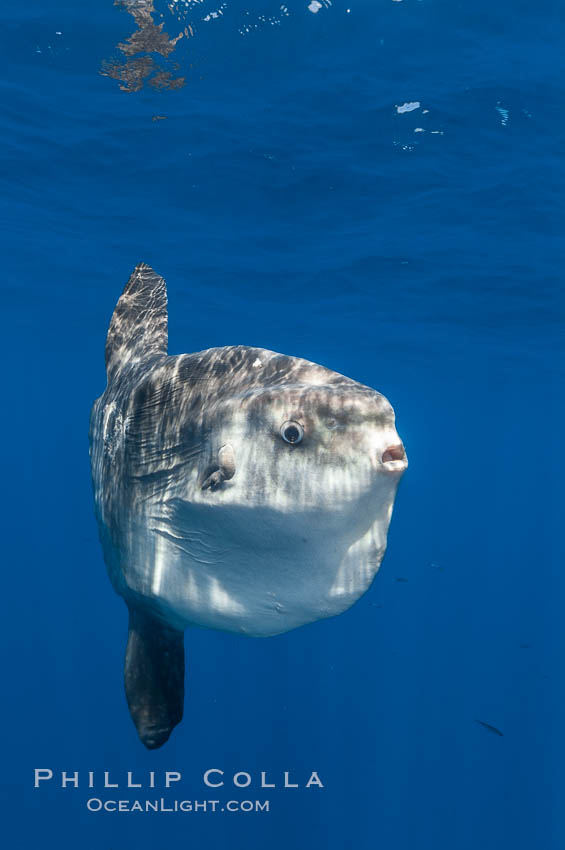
(154,677)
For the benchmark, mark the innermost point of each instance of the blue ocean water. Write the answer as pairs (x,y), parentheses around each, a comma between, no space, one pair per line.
(375,186)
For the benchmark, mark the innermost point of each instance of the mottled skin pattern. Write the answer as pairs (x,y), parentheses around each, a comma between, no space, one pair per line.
(207,515)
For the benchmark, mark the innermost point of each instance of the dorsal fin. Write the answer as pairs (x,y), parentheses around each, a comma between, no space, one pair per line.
(138,328)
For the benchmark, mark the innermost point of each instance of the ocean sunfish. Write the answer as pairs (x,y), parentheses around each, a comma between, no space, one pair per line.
(234,488)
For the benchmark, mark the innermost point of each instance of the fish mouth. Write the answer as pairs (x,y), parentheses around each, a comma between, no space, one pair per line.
(394,458)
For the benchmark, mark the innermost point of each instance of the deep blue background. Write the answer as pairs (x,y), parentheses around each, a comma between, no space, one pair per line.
(289,205)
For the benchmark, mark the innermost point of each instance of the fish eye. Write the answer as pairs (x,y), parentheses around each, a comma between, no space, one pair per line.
(292,432)
(331,423)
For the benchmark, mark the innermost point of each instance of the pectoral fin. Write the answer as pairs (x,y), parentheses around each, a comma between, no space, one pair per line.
(225,470)
(154,677)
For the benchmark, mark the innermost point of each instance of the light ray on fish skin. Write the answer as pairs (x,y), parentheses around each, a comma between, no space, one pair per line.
(160,561)
(220,599)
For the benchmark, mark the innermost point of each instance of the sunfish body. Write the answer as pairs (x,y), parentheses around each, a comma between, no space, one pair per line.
(234,488)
